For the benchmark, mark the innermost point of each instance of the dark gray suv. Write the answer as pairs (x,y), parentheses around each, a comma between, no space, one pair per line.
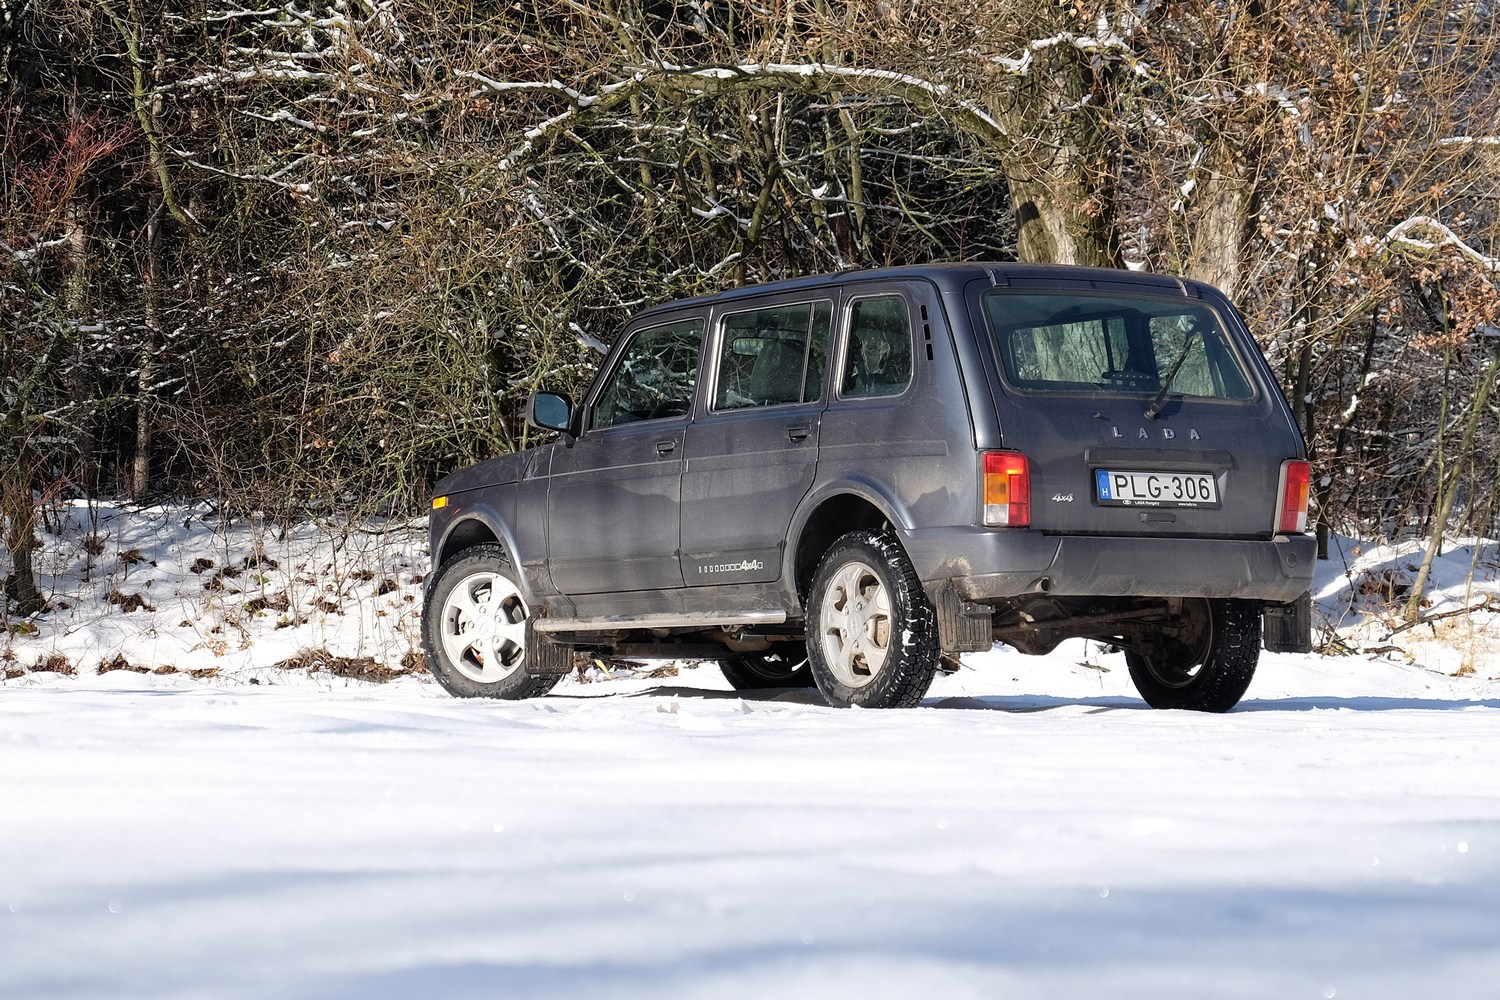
(847,480)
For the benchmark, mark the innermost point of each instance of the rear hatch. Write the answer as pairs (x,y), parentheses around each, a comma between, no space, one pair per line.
(1143,408)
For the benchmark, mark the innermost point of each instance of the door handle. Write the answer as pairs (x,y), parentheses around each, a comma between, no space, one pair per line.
(666,447)
(798,432)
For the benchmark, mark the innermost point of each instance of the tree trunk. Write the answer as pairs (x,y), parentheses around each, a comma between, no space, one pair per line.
(1057,221)
(1448,491)
(1220,220)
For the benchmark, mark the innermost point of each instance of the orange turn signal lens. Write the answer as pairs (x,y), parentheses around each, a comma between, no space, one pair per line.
(438,503)
(1296,483)
(1007,489)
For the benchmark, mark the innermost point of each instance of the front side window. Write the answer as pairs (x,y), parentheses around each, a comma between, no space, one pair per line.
(773,356)
(1116,344)
(878,359)
(655,377)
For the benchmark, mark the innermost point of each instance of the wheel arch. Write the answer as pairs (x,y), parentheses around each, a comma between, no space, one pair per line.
(479,525)
(850,506)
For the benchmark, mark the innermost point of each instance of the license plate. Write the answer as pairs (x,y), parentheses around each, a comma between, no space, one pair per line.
(1156,489)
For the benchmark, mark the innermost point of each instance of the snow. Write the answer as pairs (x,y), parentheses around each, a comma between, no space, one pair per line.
(1031,830)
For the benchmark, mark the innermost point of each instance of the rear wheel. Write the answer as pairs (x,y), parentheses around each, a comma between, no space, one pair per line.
(770,669)
(871,631)
(1211,670)
(478,631)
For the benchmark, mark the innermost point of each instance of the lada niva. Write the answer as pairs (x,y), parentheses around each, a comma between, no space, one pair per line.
(848,480)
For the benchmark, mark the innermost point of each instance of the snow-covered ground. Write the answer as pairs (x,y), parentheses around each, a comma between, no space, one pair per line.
(1031,831)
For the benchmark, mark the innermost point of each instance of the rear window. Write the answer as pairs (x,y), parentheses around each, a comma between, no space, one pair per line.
(1116,344)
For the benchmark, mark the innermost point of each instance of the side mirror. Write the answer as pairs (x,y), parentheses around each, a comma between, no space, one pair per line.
(550,411)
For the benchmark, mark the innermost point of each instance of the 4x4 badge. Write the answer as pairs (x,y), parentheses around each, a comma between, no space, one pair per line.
(1062,498)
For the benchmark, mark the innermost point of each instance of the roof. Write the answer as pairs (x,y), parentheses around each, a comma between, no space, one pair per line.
(951,277)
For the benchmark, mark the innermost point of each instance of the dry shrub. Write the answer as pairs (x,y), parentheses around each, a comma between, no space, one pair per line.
(164,669)
(201,565)
(127,602)
(1387,585)
(118,662)
(415,662)
(203,673)
(276,602)
(54,664)
(11,673)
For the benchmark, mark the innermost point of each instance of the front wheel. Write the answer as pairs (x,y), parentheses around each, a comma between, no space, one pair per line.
(478,634)
(871,631)
(1210,673)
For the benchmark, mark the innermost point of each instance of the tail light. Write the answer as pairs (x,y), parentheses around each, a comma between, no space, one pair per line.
(1007,489)
(1296,478)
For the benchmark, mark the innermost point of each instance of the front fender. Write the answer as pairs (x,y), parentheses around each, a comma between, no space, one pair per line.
(475,521)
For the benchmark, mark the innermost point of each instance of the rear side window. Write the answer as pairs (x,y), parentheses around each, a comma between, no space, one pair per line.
(655,377)
(1102,343)
(878,359)
(772,356)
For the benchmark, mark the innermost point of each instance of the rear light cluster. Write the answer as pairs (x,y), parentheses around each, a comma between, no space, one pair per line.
(1007,489)
(1296,479)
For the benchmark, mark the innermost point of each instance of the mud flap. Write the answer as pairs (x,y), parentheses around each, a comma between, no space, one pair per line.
(544,657)
(963,627)
(1287,628)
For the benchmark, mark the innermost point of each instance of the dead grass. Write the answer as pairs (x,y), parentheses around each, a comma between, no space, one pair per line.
(360,668)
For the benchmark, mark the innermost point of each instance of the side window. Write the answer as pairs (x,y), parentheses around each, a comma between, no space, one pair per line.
(655,376)
(878,359)
(772,356)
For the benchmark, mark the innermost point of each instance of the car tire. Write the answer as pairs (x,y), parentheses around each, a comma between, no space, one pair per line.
(871,631)
(770,669)
(1214,677)
(479,632)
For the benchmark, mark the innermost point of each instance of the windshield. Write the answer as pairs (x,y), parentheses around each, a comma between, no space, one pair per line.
(1110,343)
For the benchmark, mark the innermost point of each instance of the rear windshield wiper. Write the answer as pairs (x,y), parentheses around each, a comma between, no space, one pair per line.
(1166,383)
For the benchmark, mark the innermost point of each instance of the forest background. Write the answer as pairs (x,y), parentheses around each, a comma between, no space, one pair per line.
(303,258)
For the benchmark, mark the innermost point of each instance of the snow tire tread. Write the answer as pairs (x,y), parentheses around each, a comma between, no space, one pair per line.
(1228,669)
(910,667)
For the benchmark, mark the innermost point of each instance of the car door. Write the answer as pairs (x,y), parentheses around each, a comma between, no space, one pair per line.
(752,452)
(612,504)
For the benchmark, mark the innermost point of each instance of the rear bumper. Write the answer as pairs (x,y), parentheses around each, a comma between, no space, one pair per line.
(988,564)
